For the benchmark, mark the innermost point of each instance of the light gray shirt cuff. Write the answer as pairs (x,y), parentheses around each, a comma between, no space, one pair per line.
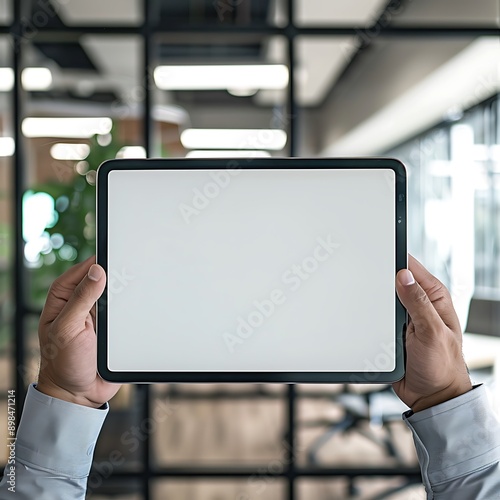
(455,438)
(57,436)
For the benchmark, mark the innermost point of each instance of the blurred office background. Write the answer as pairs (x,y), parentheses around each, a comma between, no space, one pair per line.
(82,81)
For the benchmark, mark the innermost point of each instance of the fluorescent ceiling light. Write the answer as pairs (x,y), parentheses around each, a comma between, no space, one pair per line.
(31,79)
(170,114)
(6,79)
(242,92)
(73,128)
(131,152)
(36,78)
(7,146)
(270,139)
(67,151)
(227,153)
(220,77)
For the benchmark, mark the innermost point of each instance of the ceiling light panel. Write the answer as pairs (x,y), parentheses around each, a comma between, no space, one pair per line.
(6,79)
(227,153)
(31,79)
(69,151)
(75,128)
(132,152)
(221,77)
(36,79)
(7,146)
(257,139)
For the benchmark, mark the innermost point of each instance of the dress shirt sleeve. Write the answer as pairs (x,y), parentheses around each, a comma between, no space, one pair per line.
(458,447)
(54,448)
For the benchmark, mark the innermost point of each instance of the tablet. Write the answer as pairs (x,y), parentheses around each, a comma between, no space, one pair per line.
(251,270)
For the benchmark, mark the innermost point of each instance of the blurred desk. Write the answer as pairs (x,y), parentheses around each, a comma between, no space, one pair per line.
(483,351)
(484,316)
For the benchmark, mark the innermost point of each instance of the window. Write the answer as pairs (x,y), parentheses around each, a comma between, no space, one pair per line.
(454,199)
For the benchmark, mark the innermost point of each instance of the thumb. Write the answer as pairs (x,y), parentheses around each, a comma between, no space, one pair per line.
(421,310)
(84,296)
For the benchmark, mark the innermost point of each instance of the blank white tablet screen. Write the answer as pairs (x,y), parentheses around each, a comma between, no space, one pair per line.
(251,270)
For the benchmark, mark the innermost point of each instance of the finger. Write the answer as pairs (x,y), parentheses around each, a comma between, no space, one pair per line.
(423,314)
(437,293)
(84,297)
(62,288)
(426,280)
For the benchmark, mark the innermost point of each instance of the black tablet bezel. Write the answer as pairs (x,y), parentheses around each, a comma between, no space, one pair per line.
(252,163)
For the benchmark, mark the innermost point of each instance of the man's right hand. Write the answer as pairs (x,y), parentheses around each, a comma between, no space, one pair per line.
(435,367)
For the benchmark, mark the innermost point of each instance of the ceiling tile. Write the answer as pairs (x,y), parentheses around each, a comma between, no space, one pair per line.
(449,13)
(99,12)
(5,52)
(118,56)
(320,62)
(5,12)
(360,13)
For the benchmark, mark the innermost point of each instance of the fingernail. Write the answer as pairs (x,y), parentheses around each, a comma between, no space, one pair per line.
(406,277)
(95,272)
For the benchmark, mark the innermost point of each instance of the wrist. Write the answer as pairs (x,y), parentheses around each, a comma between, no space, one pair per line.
(441,396)
(57,392)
